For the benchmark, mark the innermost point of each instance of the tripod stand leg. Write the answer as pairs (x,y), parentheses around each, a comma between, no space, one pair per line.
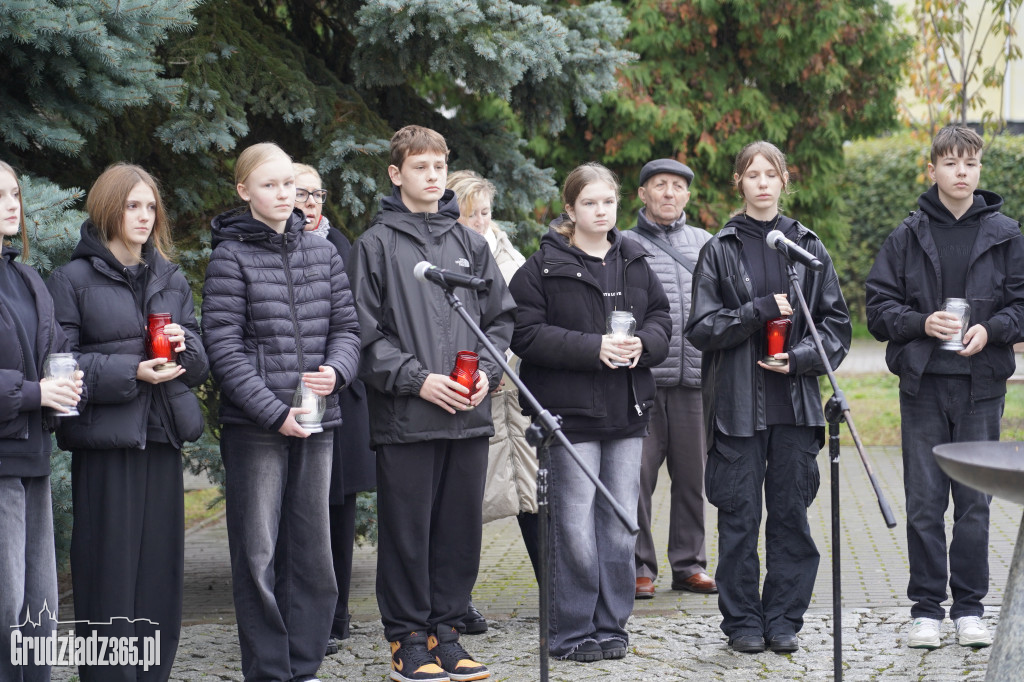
(544,549)
(837,603)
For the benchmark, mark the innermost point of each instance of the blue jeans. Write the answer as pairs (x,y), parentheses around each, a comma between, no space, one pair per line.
(592,569)
(942,412)
(28,569)
(276,492)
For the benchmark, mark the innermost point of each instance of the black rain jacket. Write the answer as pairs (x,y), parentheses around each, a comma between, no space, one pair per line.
(904,288)
(408,329)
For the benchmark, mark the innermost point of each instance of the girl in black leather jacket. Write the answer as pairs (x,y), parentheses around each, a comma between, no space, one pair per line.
(127,545)
(764,422)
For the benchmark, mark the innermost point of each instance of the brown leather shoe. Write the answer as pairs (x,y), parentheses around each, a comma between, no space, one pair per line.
(701,583)
(644,588)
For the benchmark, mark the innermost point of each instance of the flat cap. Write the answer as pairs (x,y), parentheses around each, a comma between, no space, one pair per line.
(652,168)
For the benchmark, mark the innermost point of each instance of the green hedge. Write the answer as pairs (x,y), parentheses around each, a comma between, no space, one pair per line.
(880,185)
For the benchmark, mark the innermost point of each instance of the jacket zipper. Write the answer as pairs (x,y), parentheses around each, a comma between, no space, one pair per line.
(291,303)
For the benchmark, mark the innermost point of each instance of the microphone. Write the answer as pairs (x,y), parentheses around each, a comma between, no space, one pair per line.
(426,272)
(792,252)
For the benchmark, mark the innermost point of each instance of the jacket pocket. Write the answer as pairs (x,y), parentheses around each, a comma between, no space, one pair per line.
(15,429)
(185,414)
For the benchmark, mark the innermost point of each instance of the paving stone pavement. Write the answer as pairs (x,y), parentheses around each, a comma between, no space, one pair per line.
(674,636)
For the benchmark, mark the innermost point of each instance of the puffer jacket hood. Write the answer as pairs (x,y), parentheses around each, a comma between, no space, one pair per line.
(90,245)
(239,225)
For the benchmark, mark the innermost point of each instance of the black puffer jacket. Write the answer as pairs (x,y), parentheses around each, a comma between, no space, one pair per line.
(904,288)
(275,306)
(724,325)
(24,436)
(408,328)
(559,327)
(105,320)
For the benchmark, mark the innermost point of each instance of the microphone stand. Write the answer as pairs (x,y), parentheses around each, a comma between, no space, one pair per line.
(545,430)
(837,410)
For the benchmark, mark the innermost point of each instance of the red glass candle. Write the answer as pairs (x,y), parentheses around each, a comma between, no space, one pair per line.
(159,344)
(775,332)
(465,371)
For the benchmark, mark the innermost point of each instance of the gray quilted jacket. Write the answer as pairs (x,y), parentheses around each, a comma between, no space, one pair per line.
(682,366)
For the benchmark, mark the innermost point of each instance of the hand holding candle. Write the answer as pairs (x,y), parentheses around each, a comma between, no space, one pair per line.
(775,332)
(159,343)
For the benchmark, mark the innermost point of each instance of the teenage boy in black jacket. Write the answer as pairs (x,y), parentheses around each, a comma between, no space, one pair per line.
(429,435)
(957,246)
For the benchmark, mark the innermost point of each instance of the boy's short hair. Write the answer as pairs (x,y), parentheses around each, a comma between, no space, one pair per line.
(957,140)
(416,140)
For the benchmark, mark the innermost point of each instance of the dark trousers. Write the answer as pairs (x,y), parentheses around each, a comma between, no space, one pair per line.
(677,438)
(343,537)
(530,529)
(275,490)
(942,412)
(128,551)
(429,515)
(778,463)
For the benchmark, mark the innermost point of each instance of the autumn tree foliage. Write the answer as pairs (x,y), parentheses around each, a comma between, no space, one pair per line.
(713,76)
(963,48)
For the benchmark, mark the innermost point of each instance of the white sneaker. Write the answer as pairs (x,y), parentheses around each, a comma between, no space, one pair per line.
(970,631)
(924,634)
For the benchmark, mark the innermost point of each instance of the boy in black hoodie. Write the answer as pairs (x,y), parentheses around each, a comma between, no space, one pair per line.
(957,246)
(430,436)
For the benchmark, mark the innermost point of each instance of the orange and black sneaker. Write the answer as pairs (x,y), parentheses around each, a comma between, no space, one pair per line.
(411,662)
(456,661)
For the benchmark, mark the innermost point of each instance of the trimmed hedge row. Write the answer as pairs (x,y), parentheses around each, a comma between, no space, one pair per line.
(879,187)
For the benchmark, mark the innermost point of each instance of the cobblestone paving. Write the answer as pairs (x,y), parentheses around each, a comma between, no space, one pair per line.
(675,636)
(675,647)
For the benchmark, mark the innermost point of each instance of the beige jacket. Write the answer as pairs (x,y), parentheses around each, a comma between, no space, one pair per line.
(511,485)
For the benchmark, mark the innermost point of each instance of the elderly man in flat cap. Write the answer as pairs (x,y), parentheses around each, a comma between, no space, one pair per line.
(677,425)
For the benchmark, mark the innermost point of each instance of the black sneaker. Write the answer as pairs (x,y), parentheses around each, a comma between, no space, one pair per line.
(332,647)
(613,648)
(411,662)
(474,621)
(588,652)
(456,661)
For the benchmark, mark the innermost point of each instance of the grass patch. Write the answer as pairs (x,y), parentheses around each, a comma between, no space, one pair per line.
(201,505)
(875,404)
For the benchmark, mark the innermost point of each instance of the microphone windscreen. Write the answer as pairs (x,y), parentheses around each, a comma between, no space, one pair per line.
(419,271)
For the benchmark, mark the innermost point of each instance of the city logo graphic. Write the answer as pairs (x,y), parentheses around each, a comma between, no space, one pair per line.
(71,649)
